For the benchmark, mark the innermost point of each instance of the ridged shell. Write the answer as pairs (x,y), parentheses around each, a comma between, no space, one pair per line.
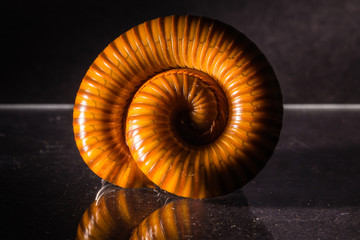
(187,103)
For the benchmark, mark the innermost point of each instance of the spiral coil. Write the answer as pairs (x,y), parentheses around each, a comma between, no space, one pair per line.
(186,103)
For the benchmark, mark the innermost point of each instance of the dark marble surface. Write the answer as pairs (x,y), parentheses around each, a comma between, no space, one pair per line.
(308,190)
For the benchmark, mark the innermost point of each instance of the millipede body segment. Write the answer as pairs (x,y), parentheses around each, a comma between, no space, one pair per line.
(185,103)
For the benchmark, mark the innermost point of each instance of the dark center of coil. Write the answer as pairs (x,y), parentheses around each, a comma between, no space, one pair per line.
(186,104)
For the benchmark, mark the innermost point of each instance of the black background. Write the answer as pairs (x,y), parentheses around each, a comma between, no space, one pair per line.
(47,46)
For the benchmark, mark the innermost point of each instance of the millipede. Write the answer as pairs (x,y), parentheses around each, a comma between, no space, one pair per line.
(185,103)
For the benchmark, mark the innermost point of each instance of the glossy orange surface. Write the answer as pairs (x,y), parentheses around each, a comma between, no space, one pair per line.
(187,103)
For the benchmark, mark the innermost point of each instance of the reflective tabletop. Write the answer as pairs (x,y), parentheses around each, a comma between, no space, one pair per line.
(308,190)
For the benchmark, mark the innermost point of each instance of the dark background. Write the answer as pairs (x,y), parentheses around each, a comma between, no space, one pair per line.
(47,46)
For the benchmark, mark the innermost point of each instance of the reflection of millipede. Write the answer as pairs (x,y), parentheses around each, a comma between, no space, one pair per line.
(187,103)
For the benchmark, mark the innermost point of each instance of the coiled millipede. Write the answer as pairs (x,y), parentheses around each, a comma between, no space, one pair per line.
(185,103)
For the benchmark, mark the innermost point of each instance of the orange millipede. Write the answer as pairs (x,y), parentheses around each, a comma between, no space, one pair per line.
(186,103)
